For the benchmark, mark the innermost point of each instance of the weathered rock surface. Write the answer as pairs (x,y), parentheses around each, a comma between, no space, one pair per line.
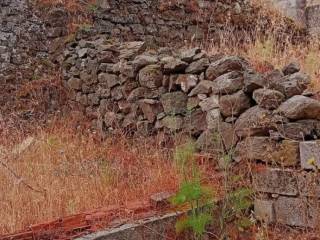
(235,104)
(256,121)
(267,98)
(174,103)
(228,83)
(291,68)
(300,107)
(219,139)
(267,150)
(151,76)
(225,65)
(292,85)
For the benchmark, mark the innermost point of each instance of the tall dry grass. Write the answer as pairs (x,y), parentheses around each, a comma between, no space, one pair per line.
(66,171)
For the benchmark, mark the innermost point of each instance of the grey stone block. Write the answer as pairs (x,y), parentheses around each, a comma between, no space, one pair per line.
(308,184)
(264,210)
(310,154)
(295,212)
(279,181)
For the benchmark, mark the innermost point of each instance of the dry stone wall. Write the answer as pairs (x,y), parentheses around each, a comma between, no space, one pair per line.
(22,41)
(220,101)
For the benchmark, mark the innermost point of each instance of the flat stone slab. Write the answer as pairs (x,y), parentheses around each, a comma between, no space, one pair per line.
(278,181)
(298,212)
(264,210)
(310,154)
(151,229)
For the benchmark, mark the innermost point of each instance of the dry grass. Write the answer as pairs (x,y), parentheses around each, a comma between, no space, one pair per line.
(72,172)
(274,46)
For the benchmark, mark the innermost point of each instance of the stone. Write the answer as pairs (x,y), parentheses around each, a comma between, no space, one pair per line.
(234,104)
(110,79)
(308,184)
(210,141)
(310,154)
(218,139)
(300,107)
(151,76)
(187,81)
(75,83)
(82,53)
(195,122)
(142,61)
(198,66)
(150,108)
(145,128)
(128,87)
(225,65)
(267,98)
(137,94)
(175,66)
(127,70)
(256,121)
(116,93)
(291,68)
(295,212)
(130,50)
(203,87)
(192,103)
(301,130)
(253,81)
(276,181)
(93,99)
(272,78)
(173,123)
(82,99)
(174,102)
(228,83)
(264,210)
(209,103)
(111,119)
(213,118)
(269,151)
(124,106)
(293,84)
(189,54)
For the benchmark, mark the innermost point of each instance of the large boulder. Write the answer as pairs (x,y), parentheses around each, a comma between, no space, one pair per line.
(228,83)
(225,65)
(267,150)
(189,54)
(307,129)
(257,121)
(174,102)
(198,66)
(291,68)
(151,76)
(300,107)
(142,61)
(209,103)
(234,104)
(195,122)
(150,108)
(219,139)
(175,66)
(268,98)
(253,81)
(293,84)
(203,87)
